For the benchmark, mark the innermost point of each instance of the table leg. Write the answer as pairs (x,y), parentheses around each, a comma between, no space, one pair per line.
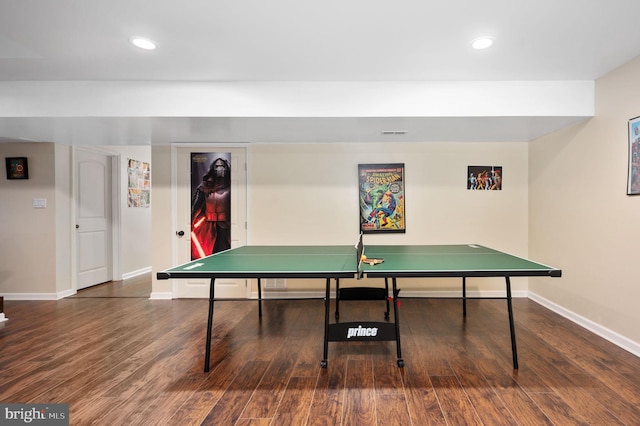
(337,298)
(207,352)
(395,317)
(464,297)
(327,302)
(386,293)
(259,298)
(514,350)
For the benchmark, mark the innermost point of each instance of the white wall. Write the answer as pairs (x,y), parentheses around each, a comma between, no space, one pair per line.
(581,219)
(35,248)
(162,224)
(308,194)
(135,221)
(28,241)
(63,208)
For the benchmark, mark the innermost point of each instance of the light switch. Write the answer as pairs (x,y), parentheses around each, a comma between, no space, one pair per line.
(39,203)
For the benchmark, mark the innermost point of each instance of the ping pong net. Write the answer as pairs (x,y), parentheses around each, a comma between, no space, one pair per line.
(362,258)
(359,253)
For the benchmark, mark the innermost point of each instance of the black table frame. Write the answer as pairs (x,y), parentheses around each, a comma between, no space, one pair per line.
(507,274)
(394,275)
(327,276)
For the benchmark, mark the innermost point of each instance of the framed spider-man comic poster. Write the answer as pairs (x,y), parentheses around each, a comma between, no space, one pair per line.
(381,198)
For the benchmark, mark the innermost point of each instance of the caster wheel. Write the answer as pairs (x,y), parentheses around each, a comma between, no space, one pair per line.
(323,363)
(386,316)
(400,363)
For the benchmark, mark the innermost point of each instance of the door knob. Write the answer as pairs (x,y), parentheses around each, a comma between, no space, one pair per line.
(180,233)
(77,226)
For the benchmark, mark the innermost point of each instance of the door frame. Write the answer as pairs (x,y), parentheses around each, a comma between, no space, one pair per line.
(116,192)
(220,146)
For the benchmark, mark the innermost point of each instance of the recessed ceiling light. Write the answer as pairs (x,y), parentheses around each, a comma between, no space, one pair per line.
(482,43)
(143,43)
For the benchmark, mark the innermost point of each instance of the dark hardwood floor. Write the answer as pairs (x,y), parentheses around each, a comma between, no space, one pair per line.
(136,361)
(139,286)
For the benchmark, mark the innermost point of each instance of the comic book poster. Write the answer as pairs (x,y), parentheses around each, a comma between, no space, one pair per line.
(484,178)
(210,203)
(381,198)
(139,183)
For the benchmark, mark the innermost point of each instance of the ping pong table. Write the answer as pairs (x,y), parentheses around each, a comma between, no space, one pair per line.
(335,262)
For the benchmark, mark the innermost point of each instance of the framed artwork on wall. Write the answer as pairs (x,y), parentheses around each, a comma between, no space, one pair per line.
(139,183)
(484,178)
(381,198)
(17,168)
(210,203)
(633,180)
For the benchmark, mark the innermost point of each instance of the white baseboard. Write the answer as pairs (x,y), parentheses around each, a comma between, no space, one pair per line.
(458,293)
(66,293)
(610,335)
(288,294)
(159,295)
(132,274)
(39,296)
(30,296)
(302,294)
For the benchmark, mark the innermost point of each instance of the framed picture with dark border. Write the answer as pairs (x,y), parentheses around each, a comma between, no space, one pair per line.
(17,168)
(381,193)
(633,179)
(484,178)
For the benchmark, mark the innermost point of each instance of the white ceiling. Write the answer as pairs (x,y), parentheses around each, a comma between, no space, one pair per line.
(302,40)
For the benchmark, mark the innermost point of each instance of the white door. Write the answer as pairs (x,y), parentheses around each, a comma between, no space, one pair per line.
(225,288)
(93,218)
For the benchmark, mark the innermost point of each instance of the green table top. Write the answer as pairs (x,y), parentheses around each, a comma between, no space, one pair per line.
(450,261)
(340,261)
(271,262)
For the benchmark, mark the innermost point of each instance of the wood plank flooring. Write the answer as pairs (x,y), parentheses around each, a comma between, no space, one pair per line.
(136,361)
(139,286)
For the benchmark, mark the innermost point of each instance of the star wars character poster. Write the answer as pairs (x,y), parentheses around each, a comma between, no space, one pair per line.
(211,203)
(381,198)
(484,178)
